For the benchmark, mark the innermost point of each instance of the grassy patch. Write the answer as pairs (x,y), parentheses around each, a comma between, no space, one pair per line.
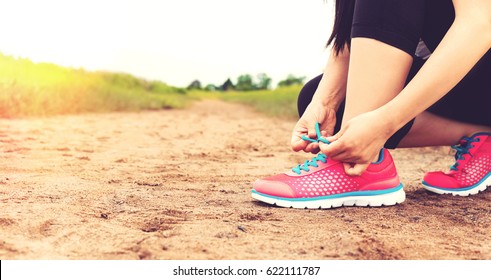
(280,102)
(33,89)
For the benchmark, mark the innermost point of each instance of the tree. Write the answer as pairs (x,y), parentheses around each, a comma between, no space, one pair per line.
(245,83)
(211,87)
(291,80)
(194,85)
(264,81)
(227,85)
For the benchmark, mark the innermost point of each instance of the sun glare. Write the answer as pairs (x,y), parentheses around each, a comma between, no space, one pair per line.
(172,41)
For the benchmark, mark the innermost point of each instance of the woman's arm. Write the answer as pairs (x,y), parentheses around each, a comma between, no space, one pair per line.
(329,95)
(467,40)
(332,87)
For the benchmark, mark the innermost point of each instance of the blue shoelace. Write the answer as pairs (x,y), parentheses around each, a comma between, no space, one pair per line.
(320,157)
(320,138)
(463,149)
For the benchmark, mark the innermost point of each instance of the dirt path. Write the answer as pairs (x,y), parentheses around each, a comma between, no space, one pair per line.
(176,185)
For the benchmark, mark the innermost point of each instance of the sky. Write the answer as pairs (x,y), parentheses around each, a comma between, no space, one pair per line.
(174,41)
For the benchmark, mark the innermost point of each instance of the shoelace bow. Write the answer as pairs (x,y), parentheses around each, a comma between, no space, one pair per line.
(320,157)
(463,149)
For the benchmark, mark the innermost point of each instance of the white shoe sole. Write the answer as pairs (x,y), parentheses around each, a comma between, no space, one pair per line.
(475,189)
(368,198)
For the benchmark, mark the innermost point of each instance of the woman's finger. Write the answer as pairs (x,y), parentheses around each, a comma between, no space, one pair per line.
(327,129)
(336,136)
(298,144)
(312,133)
(311,147)
(333,149)
(355,169)
(346,157)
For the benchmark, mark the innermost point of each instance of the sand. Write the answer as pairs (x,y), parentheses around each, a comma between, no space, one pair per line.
(176,184)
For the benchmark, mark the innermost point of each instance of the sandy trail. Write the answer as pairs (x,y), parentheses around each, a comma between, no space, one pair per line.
(176,185)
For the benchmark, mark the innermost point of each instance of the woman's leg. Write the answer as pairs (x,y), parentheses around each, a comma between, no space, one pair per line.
(306,94)
(377,73)
(431,130)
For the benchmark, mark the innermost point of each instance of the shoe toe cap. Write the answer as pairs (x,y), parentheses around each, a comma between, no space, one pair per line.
(273,188)
(441,180)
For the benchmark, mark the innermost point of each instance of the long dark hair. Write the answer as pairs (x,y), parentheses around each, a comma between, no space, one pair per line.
(341,32)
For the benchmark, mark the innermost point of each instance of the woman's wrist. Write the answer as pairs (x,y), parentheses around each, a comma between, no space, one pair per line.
(330,100)
(329,96)
(392,118)
(331,90)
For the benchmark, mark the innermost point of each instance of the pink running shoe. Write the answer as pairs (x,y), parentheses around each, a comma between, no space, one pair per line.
(322,183)
(471,172)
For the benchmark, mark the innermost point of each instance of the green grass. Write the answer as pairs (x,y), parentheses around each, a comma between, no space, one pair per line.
(41,89)
(280,102)
(34,89)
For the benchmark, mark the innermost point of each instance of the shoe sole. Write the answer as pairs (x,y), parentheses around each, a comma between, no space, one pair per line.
(386,197)
(472,190)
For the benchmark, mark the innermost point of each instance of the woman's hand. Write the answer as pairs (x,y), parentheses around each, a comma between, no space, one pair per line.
(329,95)
(359,142)
(316,112)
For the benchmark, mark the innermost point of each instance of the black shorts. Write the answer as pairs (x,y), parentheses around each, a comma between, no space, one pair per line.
(404,24)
